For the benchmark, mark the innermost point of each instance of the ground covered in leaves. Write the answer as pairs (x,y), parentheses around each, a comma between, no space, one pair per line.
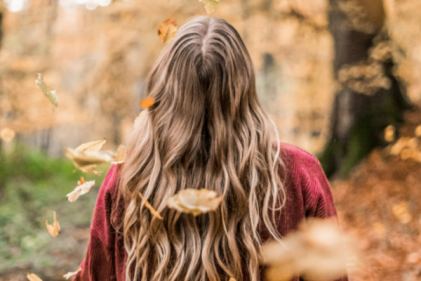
(378,203)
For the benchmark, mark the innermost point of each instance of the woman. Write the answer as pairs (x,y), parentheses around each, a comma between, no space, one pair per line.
(208,130)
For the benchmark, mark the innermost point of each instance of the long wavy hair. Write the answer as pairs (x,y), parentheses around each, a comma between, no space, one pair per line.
(207,129)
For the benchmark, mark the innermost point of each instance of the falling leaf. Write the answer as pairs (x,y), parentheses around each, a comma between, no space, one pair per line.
(210,5)
(91,146)
(121,155)
(7,134)
(71,274)
(146,103)
(418,131)
(82,181)
(196,202)
(151,209)
(232,279)
(87,161)
(140,116)
(167,30)
(80,190)
(51,95)
(54,229)
(315,251)
(33,277)
(389,133)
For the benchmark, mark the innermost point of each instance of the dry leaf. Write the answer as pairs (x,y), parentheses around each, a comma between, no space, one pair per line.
(91,146)
(80,190)
(196,202)
(87,161)
(121,155)
(82,181)
(7,134)
(314,252)
(418,131)
(140,116)
(151,209)
(210,5)
(33,277)
(51,95)
(54,229)
(146,103)
(232,279)
(167,30)
(71,274)
(389,133)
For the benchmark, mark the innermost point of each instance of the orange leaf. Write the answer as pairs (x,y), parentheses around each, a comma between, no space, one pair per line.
(146,103)
(33,277)
(151,209)
(167,30)
(54,229)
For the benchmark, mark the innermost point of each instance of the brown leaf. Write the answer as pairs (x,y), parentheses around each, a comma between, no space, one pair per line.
(167,30)
(121,155)
(210,5)
(54,229)
(51,95)
(151,209)
(146,103)
(196,202)
(7,134)
(71,274)
(91,146)
(33,277)
(80,190)
(87,160)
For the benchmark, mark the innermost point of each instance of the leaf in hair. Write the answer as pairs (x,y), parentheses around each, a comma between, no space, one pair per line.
(140,116)
(53,229)
(196,202)
(146,103)
(167,30)
(33,277)
(51,95)
(82,188)
(210,5)
(154,212)
(71,274)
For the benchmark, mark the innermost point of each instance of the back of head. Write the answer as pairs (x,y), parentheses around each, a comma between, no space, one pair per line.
(206,130)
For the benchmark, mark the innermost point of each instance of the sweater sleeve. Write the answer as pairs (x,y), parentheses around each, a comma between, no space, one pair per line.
(99,260)
(319,202)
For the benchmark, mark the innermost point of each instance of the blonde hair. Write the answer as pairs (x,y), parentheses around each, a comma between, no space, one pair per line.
(206,129)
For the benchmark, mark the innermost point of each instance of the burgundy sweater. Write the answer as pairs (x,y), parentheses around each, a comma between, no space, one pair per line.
(307,195)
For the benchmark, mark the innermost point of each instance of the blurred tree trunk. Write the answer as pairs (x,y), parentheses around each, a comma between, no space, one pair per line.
(368,96)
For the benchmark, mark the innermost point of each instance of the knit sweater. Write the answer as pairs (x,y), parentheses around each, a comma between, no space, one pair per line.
(308,195)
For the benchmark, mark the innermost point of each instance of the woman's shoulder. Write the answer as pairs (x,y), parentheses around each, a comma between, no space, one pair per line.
(297,158)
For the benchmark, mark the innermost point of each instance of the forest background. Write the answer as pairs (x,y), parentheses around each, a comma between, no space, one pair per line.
(340,78)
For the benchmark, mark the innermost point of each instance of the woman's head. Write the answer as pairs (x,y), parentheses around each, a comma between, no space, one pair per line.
(206,130)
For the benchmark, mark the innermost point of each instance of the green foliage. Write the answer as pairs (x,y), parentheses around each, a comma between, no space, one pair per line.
(32,186)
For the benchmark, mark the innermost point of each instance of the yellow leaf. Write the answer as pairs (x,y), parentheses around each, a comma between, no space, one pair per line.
(91,146)
(232,279)
(121,155)
(139,116)
(167,30)
(418,131)
(51,95)
(7,134)
(210,5)
(54,229)
(71,274)
(146,103)
(389,133)
(80,190)
(196,202)
(33,277)
(86,161)
(151,209)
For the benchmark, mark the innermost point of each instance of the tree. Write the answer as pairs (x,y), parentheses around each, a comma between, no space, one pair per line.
(369,96)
